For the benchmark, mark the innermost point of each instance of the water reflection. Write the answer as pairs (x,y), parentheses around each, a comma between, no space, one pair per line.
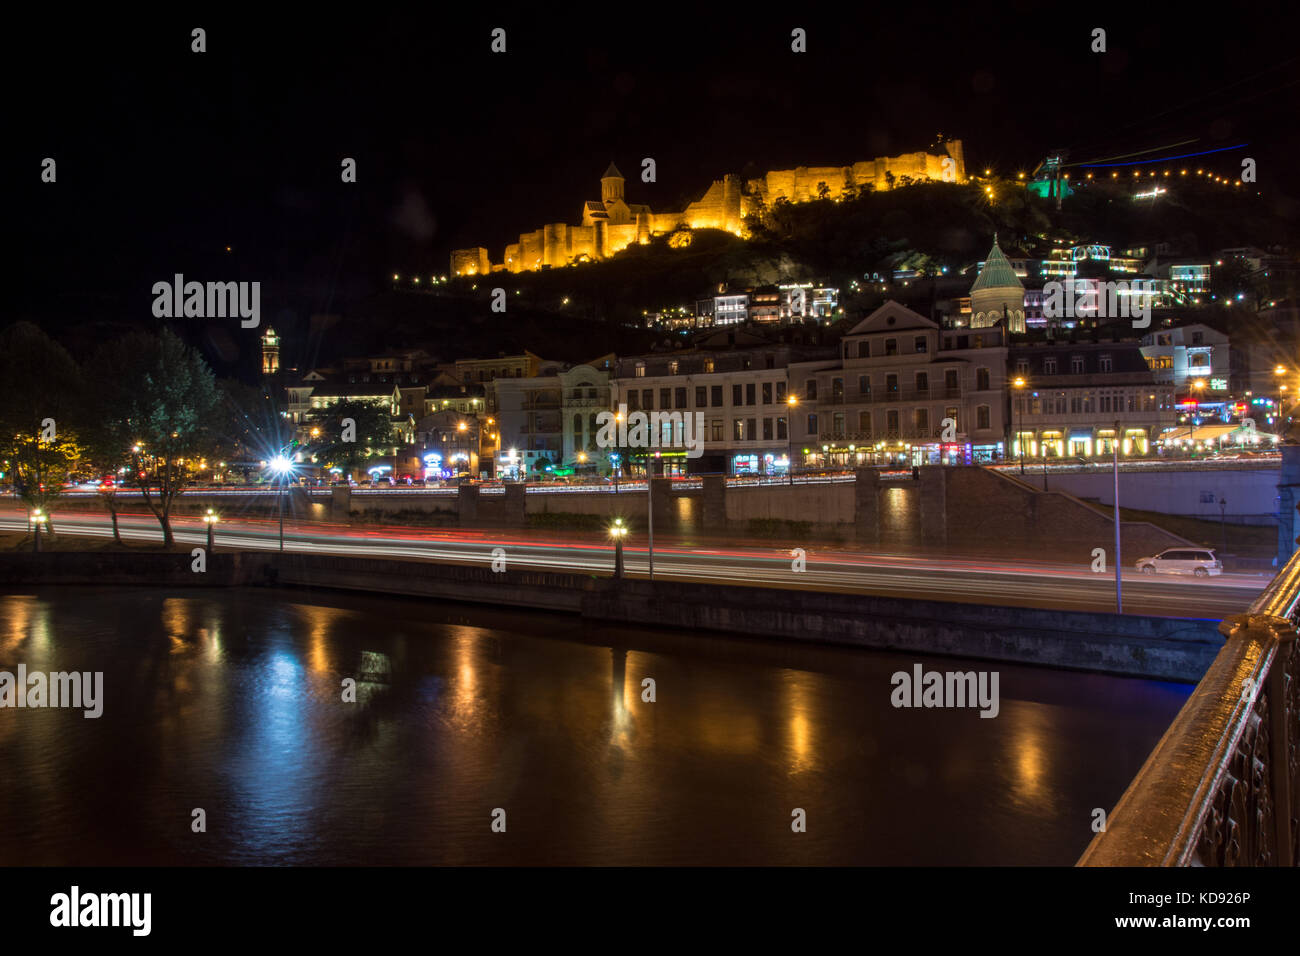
(236,702)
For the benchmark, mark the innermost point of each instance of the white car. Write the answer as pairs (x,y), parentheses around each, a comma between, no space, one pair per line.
(1199,562)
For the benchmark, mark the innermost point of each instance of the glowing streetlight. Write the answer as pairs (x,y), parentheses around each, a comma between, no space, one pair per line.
(1020,383)
(618,531)
(37,521)
(210,519)
(281,466)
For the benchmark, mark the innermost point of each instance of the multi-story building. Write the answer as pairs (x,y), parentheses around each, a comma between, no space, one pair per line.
(478,370)
(549,420)
(1187,354)
(886,396)
(1066,398)
(736,381)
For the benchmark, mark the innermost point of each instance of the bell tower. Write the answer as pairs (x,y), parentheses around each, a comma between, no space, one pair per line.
(270,352)
(611,185)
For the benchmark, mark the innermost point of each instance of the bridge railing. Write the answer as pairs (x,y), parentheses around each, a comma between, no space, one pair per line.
(1222,787)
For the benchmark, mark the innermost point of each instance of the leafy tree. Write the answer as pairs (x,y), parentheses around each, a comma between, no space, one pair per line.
(823,191)
(157,397)
(38,405)
(373,433)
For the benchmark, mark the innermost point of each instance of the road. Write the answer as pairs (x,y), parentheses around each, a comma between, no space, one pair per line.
(991,581)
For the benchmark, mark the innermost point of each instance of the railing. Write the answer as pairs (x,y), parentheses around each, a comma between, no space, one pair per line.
(1222,787)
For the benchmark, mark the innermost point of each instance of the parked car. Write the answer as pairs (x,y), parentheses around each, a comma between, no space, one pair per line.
(384,482)
(1199,562)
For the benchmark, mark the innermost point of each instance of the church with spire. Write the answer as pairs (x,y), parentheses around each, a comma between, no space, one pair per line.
(997,297)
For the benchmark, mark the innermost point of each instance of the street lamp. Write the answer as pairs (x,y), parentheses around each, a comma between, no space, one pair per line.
(1019,383)
(618,531)
(792,402)
(210,519)
(37,521)
(281,466)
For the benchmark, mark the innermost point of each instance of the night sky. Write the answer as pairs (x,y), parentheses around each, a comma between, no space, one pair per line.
(166,157)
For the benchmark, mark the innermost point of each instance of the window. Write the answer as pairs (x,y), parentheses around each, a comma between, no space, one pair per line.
(837,390)
(951,412)
(891,421)
(922,382)
(715,430)
(1207,497)
(1049,366)
(1022,366)
(679,396)
(640,370)
(1105,363)
(701,396)
(891,384)
(648,399)
(737,395)
(1198,338)
(981,379)
(864,386)
(665,398)
(891,346)
(1076,364)
(780,392)
(633,401)
(750,391)
(673,366)
(921,418)
(577,429)
(782,432)
(919,343)
(1076,405)
(751,429)
(982,417)
(1199,360)
(812,425)
(740,429)
(810,390)
(864,424)
(864,349)
(715,396)
(767,393)
(708,365)
(769,361)
(950,379)
(767,429)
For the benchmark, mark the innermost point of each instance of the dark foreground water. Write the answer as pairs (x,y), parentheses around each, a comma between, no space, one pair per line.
(231,701)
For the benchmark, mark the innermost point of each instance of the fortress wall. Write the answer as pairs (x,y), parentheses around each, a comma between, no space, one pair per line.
(722,206)
(619,237)
(470,261)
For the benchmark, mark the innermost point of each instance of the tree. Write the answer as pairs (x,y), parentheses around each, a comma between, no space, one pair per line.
(38,405)
(823,191)
(157,398)
(349,447)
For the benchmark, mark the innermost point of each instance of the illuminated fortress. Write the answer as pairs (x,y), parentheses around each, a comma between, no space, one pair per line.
(611,223)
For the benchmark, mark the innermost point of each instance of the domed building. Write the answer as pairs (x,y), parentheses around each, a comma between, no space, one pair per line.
(997,295)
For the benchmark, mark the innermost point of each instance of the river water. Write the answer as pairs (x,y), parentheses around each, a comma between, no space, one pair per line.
(232,702)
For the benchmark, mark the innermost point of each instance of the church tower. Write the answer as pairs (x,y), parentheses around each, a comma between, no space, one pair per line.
(611,185)
(270,352)
(997,294)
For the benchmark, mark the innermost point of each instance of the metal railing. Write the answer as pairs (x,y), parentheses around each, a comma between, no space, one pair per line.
(1222,787)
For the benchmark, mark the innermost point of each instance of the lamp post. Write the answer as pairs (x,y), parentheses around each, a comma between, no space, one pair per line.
(792,402)
(281,466)
(210,519)
(37,521)
(1119,561)
(1019,383)
(1223,518)
(618,531)
(650,510)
